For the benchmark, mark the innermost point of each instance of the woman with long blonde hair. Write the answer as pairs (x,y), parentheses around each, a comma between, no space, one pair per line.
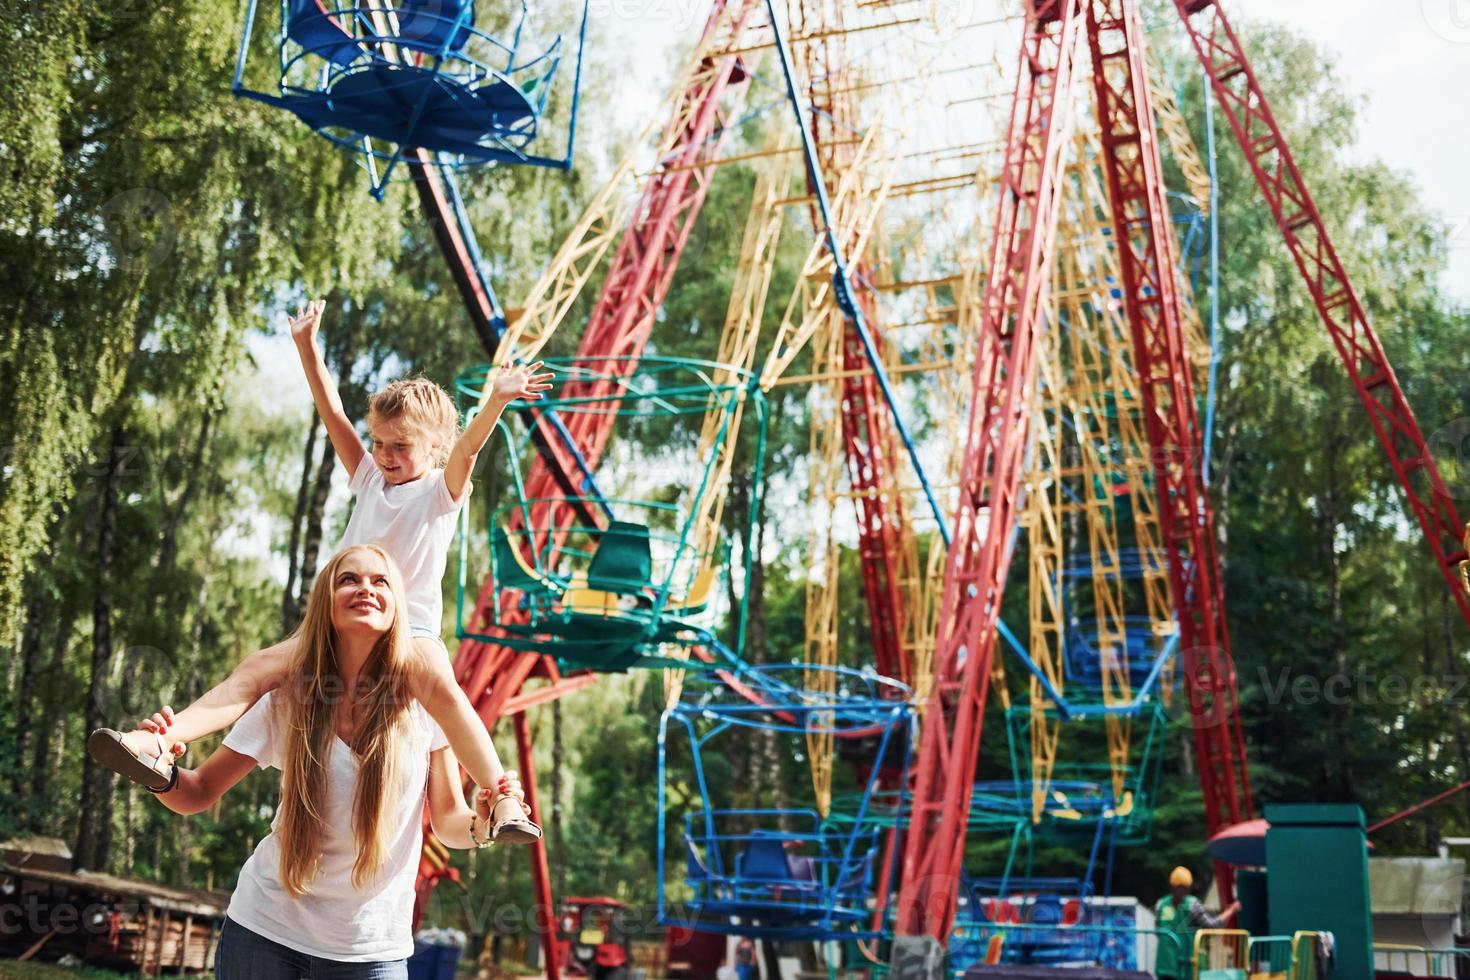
(329,891)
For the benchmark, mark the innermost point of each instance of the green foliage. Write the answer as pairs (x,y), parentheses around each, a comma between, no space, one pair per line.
(150,223)
(609,842)
(11,970)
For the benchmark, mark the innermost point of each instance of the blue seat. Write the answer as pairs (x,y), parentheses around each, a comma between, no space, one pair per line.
(381,100)
(711,892)
(507,103)
(764,860)
(428,105)
(425,24)
(1045,910)
(447,109)
(803,868)
(311,25)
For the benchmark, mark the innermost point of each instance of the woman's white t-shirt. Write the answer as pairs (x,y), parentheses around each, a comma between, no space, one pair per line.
(414,522)
(335,920)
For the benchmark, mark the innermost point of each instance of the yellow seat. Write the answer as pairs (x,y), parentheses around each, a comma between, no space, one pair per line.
(1124,808)
(591,602)
(698,596)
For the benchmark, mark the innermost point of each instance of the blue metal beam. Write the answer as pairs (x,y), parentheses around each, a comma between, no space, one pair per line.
(841,280)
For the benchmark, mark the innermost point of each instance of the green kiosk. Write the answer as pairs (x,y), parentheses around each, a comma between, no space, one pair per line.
(1317,879)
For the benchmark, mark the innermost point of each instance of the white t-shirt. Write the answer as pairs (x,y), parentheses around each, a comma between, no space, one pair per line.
(334,920)
(414,522)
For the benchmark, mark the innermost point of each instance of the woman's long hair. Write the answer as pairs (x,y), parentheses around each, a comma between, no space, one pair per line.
(312,690)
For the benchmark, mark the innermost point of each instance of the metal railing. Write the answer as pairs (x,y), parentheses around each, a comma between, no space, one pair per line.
(1221,954)
(1420,961)
(1234,954)
(1077,944)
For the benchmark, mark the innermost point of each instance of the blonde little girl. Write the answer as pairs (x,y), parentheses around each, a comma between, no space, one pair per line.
(409,490)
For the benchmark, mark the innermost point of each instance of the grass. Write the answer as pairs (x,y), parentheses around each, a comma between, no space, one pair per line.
(11,970)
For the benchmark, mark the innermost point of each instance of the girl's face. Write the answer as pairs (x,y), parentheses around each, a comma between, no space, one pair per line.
(402,452)
(362,600)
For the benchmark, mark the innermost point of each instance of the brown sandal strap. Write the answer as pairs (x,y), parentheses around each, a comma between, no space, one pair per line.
(173,780)
(521,822)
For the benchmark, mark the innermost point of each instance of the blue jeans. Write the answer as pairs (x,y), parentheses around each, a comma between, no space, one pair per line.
(246,955)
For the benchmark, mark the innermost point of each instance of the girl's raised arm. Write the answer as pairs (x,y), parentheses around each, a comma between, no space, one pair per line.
(344,438)
(512,382)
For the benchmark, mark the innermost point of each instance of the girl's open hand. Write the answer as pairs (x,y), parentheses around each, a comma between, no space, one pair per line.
(525,382)
(306,321)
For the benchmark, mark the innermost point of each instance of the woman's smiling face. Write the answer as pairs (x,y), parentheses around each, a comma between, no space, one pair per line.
(362,597)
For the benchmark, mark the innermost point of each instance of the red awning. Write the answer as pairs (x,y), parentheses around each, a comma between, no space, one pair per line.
(1242,844)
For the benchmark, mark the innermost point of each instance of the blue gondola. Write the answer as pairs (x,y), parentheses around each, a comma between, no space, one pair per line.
(1085,656)
(1055,922)
(388,80)
(777,873)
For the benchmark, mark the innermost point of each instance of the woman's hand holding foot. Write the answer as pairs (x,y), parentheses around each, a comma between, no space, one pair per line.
(505,811)
(158,725)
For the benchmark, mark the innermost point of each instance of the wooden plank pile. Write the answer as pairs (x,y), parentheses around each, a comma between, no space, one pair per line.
(157,941)
(124,924)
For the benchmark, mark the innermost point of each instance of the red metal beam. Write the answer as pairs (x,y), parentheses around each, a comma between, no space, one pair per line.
(1239,96)
(872,473)
(540,868)
(1134,171)
(550,692)
(440,214)
(990,479)
(1421,805)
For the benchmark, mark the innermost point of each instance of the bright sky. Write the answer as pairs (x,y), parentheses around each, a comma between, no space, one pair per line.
(1410,60)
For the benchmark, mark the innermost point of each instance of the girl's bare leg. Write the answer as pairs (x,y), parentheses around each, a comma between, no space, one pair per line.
(448,705)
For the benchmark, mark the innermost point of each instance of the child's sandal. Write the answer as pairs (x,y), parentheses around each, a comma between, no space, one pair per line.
(513,830)
(157,774)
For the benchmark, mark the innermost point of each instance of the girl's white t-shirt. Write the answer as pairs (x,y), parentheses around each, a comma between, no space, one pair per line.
(414,522)
(335,920)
